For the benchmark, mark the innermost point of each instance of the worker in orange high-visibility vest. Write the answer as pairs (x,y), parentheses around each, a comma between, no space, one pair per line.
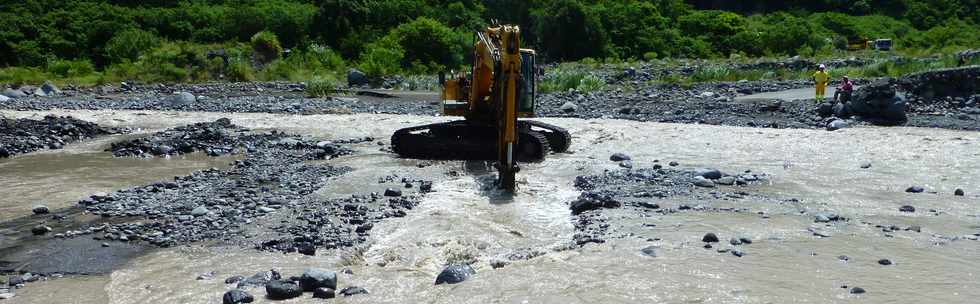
(821,78)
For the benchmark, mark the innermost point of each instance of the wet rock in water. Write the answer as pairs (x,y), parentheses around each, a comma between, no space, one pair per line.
(709,173)
(843,258)
(234,279)
(673,164)
(836,124)
(306,248)
(353,290)
(324,293)
(710,238)
(884,262)
(393,192)
(206,276)
(265,209)
(826,217)
(915,189)
(4,98)
(314,278)
(454,274)
(745,240)
(857,290)
(7,295)
(40,229)
(865,165)
(282,290)
(906,208)
(591,201)
(259,279)
(649,251)
(236,296)
(569,107)
(199,211)
(738,253)
(735,241)
(959,192)
(726,181)
(703,182)
(626,164)
(619,157)
(41,209)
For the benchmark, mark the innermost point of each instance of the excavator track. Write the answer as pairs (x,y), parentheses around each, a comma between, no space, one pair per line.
(558,138)
(460,140)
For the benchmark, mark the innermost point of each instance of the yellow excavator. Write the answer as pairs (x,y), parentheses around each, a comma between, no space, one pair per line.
(500,88)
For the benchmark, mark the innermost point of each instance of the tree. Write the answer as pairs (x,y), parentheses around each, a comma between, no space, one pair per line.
(566,31)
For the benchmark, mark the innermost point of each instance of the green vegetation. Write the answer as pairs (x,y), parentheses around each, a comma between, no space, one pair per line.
(90,42)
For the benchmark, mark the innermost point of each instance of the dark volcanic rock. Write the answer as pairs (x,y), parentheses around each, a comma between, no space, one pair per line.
(234,279)
(393,192)
(959,192)
(19,136)
(884,262)
(259,279)
(40,230)
(324,293)
(314,278)
(587,202)
(915,189)
(353,290)
(878,100)
(857,290)
(40,210)
(619,157)
(454,274)
(710,238)
(236,296)
(282,290)
(649,251)
(709,173)
(906,208)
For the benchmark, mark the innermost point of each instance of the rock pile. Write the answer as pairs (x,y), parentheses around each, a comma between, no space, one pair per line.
(23,135)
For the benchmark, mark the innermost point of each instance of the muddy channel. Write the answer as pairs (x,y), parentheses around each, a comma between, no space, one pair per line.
(465,221)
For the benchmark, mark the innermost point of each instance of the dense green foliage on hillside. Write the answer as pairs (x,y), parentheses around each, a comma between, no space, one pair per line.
(158,40)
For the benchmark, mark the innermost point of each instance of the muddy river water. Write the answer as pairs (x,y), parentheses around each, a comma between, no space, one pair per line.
(463,222)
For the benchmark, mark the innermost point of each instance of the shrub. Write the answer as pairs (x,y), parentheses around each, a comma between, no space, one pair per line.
(240,71)
(70,68)
(321,86)
(381,58)
(130,44)
(266,46)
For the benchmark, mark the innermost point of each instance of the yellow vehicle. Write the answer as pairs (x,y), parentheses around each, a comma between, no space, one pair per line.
(499,89)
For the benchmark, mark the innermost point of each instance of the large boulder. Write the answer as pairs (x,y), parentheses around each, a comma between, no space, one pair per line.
(282,290)
(878,101)
(4,98)
(183,98)
(356,78)
(314,278)
(453,274)
(47,89)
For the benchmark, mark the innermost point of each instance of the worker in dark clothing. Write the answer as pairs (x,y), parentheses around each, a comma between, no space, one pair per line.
(844,90)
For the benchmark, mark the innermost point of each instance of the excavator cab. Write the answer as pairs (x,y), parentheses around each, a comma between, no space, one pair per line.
(499,88)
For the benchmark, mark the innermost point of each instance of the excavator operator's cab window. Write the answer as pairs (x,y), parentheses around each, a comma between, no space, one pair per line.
(525,100)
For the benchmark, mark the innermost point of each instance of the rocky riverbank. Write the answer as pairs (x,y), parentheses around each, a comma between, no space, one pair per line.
(19,136)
